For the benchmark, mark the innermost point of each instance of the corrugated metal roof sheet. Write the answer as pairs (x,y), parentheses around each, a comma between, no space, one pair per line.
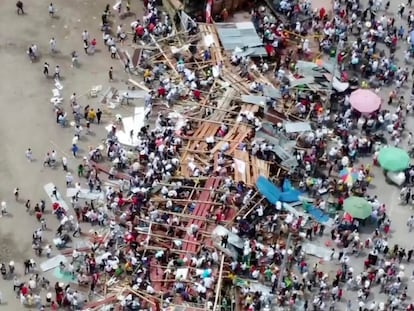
(240,35)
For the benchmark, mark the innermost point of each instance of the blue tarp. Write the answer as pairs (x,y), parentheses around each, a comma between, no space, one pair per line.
(316,213)
(274,194)
(289,194)
(268,189)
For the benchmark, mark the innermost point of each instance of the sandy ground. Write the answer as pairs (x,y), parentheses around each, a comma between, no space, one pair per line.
(28,120)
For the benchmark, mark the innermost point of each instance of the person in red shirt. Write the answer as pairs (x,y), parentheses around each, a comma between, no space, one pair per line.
(53,306)
(59,298)
(161,92)
(394,41)
(151,27)
(322,13)
(93,45)
(197,94)
(269,50)
(139,31)
(24,290)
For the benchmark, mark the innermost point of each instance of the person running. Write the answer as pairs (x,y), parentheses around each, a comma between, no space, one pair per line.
(19,6)
(46,69)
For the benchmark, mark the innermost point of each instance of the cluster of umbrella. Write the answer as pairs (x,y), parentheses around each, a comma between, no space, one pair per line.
(390,158)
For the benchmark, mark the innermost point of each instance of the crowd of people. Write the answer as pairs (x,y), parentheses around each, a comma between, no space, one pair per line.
(273,253)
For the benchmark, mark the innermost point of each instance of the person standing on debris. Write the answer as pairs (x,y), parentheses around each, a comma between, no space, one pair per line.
(224,240)
(54,193)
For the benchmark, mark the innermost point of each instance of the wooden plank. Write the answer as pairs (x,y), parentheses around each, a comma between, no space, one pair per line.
(242,133)
(263,167)
(227,137)
(240,176)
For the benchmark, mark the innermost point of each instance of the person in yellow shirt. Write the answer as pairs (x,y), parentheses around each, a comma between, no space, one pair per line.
(147,75)
(91,115)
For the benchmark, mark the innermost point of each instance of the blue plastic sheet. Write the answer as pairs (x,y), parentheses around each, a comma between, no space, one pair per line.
(268,189)
(290,196)
(274,194)
(318,215)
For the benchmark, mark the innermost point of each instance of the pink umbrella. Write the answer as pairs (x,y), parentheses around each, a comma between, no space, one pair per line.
(365,101)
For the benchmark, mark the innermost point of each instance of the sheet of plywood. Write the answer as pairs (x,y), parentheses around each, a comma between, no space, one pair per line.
(262,167)
(242,169)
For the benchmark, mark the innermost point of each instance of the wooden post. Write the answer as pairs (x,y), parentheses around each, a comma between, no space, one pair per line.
(219,281)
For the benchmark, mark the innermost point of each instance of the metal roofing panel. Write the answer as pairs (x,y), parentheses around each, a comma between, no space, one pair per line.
(254,99)
(297,127)
(229,32)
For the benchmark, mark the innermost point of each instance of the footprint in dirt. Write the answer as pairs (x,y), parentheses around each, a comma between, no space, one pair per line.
(8,251)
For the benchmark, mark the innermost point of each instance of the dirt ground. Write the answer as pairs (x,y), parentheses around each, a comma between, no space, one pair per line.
(27,119)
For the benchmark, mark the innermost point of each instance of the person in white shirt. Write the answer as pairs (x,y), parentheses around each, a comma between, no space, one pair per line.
(51,10)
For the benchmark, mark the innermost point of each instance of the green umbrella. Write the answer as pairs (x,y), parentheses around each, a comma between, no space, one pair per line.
(357,207)
(393,159)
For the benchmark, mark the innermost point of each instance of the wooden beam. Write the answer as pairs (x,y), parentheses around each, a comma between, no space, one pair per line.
(167,59)
(142,87)
(189,187)
(219,281)
(185,200)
